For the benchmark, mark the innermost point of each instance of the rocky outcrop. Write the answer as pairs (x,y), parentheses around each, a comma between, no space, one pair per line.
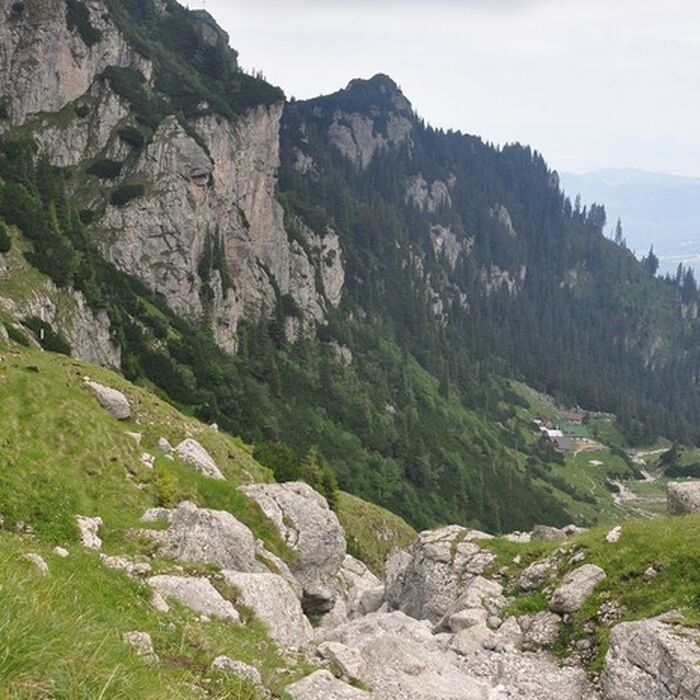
(683,497)
(311,529)
(654,660)
(575,588)
(272,600)
(197,594)
(45,65)
(193,453)
(441,566)
(210,537)
(113,401)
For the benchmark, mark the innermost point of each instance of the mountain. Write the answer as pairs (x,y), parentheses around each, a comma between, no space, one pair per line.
(330,278)
(656,209)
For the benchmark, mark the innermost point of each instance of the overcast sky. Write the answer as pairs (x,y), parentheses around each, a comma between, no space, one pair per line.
(590,83)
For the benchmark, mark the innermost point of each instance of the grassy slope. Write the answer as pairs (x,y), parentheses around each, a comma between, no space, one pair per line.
(60,455)
(671,545)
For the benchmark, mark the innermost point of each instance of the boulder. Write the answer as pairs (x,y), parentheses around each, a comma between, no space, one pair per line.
(153,515)
(237,668)
(41,566)
(540,630)
(191,452)
(535,576)
(142,644)
(273,601)
(654,660)
(466,619)
(322,685)
(441,565)
(311,529)
(398,657)
(88,528)
(210,537)
(575,588)
(546,533)
(110,399)
(362,590)
(347,659)
(683,497)
(197,594)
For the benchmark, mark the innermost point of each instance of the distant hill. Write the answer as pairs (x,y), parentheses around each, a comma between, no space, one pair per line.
(656,208)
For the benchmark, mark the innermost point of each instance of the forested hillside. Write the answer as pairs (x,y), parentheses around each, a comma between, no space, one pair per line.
(335,281)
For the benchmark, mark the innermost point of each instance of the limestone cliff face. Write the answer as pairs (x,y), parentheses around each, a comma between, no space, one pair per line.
(209,233)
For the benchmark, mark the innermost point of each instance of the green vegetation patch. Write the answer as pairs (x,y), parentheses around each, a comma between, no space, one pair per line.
(78,17)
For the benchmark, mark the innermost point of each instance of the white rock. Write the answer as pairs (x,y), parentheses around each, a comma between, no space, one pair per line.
(683,497)
(153,515)
(237,668)
(312,530)
(148,460)
(613,537)
(38,561)
(347,659)
(192,452)
(575,588)
(272,600)
(197,594)
(465,619)
(88,531)
(127,565)
(110,399)
(210,537)
(652,660)
(142,644)
(541,630)
(535,576)
(322,685)
(136,437)
(159,603)
(61,552)
(164,445)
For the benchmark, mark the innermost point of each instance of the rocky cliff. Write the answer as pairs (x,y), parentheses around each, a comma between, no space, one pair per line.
(208,233)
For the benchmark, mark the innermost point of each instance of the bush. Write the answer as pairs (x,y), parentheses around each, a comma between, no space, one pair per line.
(126,193)
(78,17)
(4,108)
(48,338)
(132,136)
(5,240)
(82,110)
(105,169)
(16,335)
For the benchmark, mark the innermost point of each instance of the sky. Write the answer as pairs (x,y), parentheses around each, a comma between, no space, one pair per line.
(589,83)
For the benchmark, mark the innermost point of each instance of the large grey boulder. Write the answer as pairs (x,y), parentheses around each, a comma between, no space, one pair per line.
(545,533)
(575,588)
(322,685)
(274,602)
(398,657)
(683,497)
(362,590)
(193,453)
(210,537)
(653,660)
(441,566)
(110,399)
(197,594)
(311,529)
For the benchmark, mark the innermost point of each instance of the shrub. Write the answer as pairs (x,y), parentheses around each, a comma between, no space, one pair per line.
(126,193)
(105,169)
(5,240)
(17,9)
(16,335)
(4,108)
(48,338)
(132,136)
(78,17)
(82,110)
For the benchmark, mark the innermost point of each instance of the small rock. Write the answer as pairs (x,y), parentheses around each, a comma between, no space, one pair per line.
(494,622)
(465,619)
(159,603)
(583,644)
(535,576)
(347,659)
(164,445)
(148,460)
(128,565)
(136,437)
(237,668)
(110,399)
(576,587)
(192,452)
(548,534)
(153,515)
(88,531)
(322,685)
(142,644)
(61,552)
(613,537)
(38,562)
(650,574)
(197,594)
(578,557)
(540,630)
